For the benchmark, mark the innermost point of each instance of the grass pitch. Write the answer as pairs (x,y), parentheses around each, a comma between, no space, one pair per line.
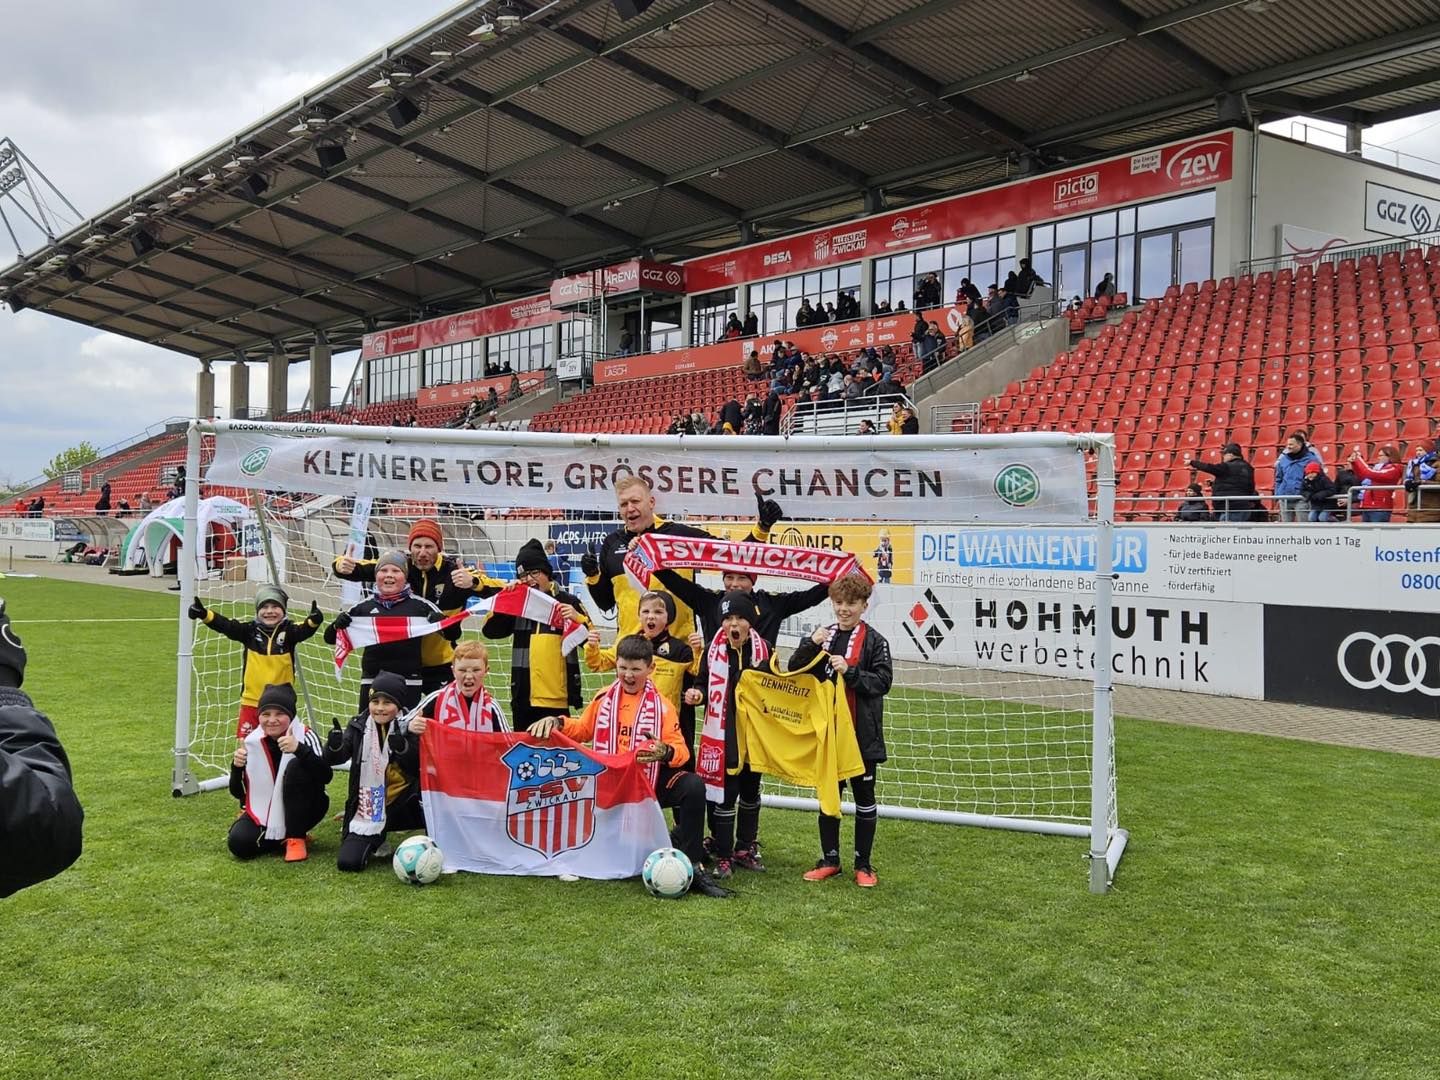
(1273,916)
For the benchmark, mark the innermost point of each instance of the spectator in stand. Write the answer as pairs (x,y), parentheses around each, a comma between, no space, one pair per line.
(473,414)
(831,315)
(492,400)
(678,425)
(123,506)
(1012,282)
(896,421)
(698,424)
(850,388)
(882,308)
(1387,471)
(732,417)
(1027,279)
(917,334)
(752,368)
(37,506)
(733,328)
(1290,475)
(102,504)
(935,350)
(1422,492)
(979,318)
(770,413)
(1319,492)
(967,292)
(900,307)
(627,342)
(177,489)
(1234,488)
(964,331)
(752,325)
(835,383)
(1193,506)
(927,292)
(145,503)
(516,390)
(867,427)
(805,315)
(1106,287)
(1010,306)
(753,414)
(909,422)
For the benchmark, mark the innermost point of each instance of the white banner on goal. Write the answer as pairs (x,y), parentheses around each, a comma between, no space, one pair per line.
(889,478)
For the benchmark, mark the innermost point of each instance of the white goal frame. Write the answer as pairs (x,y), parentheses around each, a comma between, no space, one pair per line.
(1107,840)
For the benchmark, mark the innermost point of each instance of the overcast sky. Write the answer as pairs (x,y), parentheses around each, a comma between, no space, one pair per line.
(106,96)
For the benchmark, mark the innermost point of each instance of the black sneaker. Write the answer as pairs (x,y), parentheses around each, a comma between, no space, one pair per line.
(748,858)
(704,884)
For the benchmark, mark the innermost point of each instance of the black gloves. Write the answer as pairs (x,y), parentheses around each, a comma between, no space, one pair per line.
(316,615)
(197,609)
(768,512)
(341,621)
(335,741)
(589,564)
(12,653)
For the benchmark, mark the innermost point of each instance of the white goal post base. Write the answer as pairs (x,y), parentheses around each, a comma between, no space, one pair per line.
(975,738)
(1110,857)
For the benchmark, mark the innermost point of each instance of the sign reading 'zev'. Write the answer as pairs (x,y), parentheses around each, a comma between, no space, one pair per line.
(1395,212)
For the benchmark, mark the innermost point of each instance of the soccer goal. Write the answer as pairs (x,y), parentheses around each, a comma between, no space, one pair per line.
(1000,715)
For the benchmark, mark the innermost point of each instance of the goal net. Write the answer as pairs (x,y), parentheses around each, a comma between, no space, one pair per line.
(996,716)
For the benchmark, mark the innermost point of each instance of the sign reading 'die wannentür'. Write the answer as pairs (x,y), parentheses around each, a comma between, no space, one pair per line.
(697,476)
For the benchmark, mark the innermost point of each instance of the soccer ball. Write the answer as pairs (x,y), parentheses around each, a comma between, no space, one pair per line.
(418,861)
(667,873)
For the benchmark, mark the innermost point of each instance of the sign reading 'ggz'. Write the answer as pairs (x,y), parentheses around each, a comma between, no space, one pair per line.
(1396,212)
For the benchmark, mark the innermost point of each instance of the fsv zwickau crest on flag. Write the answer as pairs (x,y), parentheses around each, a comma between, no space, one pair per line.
(550,802)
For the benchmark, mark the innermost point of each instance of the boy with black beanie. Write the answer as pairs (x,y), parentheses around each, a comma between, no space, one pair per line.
(269,640)
(279,775)
(543,680)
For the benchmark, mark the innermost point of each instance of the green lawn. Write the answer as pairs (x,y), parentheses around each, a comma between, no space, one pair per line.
(1273,916)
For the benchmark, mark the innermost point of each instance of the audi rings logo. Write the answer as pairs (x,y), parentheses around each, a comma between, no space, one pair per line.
(1398,663)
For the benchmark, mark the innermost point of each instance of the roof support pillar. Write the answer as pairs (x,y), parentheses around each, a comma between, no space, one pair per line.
(278,382)
(1355,138)
(239,390)
(320,374)
(205,391)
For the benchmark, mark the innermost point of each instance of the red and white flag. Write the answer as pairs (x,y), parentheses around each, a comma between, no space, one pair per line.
(520,601)
(512,804)
(656,551)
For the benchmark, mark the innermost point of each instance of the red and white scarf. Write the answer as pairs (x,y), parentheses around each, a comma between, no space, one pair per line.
(263,801)
(711,763)
(853,648)
(480,713)
(657,551)
(649,714)
(521,601)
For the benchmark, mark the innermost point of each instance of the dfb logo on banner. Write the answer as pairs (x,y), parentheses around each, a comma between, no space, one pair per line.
(550,801)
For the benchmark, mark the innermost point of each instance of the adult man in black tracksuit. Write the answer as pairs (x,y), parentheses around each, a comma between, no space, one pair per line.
(609,586)
(40,818)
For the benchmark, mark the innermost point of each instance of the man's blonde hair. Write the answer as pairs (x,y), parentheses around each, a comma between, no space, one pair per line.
(632,481)
(472,650)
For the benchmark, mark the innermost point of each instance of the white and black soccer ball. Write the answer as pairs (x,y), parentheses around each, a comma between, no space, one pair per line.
(667,873)
(418,861)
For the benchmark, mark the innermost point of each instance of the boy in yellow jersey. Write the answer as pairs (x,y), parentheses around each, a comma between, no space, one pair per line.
(543,680)
(677,665)
(269,640)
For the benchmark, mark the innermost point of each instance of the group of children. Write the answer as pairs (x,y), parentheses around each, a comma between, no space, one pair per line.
(281,768)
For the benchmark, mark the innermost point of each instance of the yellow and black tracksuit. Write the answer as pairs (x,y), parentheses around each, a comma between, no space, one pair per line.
(543,680)
(433,583)
(268,660)
(613,589)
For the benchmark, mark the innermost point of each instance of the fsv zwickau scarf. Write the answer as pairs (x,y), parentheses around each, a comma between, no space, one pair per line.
(656,551)
(522,602)
(648,715)
(711,763)
(481,713)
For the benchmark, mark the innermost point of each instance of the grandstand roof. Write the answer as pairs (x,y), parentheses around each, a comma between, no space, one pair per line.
(576,139)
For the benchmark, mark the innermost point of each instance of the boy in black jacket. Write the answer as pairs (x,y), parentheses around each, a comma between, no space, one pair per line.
(270,641)
(860,658)
(279,775)
(384,762)
(393,596)
(773,607)
(543,680)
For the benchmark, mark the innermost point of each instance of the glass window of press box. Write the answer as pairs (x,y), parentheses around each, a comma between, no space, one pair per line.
(709,312)
(1148,248)
(776,302)
(393,378)
(523,350)
(575,336)
(985,260)
(453,363)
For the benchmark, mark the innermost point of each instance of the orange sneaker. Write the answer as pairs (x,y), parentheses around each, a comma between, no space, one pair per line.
(865,877)
(822,871)
(295,849)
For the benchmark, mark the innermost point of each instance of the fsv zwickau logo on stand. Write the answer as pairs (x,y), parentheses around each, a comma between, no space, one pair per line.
(550,802)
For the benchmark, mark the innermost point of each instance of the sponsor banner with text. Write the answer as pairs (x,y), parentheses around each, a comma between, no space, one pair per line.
(1169,170)
(463,326)
(635,275)
(1346,658)
(1395,567)
(699,475)
(38,529)
(1393,211)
